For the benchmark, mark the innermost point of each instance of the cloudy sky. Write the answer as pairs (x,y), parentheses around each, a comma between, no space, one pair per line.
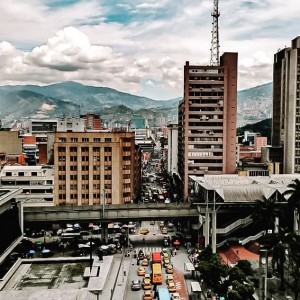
(138,46)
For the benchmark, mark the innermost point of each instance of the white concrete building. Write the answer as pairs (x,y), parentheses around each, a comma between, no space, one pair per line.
(37,182)
(172,166)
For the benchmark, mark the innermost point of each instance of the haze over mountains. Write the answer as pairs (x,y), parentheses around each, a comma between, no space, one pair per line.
(71,99)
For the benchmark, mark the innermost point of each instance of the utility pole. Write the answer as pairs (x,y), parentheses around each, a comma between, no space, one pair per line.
(214,50)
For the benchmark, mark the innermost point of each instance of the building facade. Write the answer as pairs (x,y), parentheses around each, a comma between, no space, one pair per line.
(207,120)
(36,182)
(91,167)
(172,166)
(286,105)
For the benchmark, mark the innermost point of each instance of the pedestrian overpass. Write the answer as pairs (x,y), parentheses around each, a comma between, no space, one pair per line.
(96,213)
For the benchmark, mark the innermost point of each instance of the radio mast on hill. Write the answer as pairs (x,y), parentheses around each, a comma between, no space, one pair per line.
(214,50)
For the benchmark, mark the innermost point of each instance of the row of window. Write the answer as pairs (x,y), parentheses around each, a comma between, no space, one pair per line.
(83,140)
(86,149)
(86,177)
(20,174)
(87,158)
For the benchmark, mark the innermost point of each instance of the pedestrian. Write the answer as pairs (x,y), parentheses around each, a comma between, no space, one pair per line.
(175,251)
(138,261)
(172,253)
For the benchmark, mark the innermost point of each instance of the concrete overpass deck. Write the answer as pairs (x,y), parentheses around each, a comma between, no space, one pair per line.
(108,212)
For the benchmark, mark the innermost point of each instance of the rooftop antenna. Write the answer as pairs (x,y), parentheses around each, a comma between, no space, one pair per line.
(214,50)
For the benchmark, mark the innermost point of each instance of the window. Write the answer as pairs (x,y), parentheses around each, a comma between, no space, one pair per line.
(21,173)
(126,149)
(96,149)
(73,158)
(85,140)
(85,186)
(85,149)
(96,177)
(61,187)
(8,173)
(73,177)
(85,158)
(61,168)
(73,186)
(61,177)
(85,177)
(126,167)
(96,140)
(96,186)
(62,196)
(107,158)
(61,149)
(107,140)
(73,149)
(73,196)
(97,196)
(107,186)
(107,168)
(96,158)
(33,173)
(73,168)
(107,149)
(84,168)
(96,168)
(62,139)
(74,140)
(107,177)
(85,196)
(126,176)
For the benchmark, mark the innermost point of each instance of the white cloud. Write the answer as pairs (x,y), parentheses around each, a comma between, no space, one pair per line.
(94,45)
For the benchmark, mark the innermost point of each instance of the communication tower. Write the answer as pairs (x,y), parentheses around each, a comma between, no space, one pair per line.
(214,50)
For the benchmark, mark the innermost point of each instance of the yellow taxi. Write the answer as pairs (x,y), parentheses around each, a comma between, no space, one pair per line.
(141,271)
(175,296)
(170,278)
(148,295)
(169,269)
(145,262)
(147,276)
(144,231)
(166,262)
(171,287)
(146,284)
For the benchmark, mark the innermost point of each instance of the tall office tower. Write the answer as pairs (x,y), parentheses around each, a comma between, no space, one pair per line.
(207,120)
(89,165)
(286,105)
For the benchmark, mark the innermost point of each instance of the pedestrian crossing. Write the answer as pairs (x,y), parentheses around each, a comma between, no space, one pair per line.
(149,249)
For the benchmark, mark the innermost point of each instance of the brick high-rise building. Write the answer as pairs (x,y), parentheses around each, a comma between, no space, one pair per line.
(207,120)
(286,105)
(89,164)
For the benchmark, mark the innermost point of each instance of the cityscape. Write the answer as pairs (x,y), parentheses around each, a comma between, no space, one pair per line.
(139,161)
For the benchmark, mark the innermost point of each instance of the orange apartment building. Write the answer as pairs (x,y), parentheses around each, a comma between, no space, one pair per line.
(91,164)
(207,120)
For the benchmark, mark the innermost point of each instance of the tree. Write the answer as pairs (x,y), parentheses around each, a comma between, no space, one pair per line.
(266,213)
(245,266)
(292,264)
(294,199)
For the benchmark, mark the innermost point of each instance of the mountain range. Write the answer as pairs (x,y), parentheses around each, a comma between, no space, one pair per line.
(72,99)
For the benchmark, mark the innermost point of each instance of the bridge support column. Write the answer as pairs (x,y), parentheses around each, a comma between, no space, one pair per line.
(206,228)
(214,231)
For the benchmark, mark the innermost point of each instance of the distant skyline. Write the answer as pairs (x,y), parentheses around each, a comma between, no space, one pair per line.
(138,47)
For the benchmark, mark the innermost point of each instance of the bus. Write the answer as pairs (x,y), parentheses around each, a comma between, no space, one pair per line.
(156,257)
(156,273)
(163,294)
